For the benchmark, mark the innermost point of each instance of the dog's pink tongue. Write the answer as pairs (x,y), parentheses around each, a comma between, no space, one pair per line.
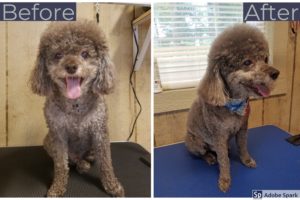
(263,90)
(73,87)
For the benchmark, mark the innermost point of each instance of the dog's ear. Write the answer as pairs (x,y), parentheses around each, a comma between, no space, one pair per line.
(40,80)
(212,88)
(105,79)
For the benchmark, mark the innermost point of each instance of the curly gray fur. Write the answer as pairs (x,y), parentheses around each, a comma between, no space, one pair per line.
(77,124)
(237,69)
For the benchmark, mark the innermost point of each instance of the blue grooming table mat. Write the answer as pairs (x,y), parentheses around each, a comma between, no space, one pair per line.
(179,174)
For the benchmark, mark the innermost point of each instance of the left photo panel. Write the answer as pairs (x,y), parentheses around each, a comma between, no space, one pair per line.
(75,100)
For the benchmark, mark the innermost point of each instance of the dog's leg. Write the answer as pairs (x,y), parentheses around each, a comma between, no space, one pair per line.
(241,139)
(224,164)
(104,162)
(195,145)
(58,151)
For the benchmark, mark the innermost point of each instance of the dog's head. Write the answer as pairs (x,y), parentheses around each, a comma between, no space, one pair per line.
(238,66)
(73,57)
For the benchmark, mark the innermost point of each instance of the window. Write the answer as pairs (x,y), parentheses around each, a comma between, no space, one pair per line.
(183,33)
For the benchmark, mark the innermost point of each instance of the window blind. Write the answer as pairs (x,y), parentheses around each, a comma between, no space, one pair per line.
(183,34)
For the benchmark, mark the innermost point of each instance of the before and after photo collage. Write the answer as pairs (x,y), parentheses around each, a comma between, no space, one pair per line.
(150,99)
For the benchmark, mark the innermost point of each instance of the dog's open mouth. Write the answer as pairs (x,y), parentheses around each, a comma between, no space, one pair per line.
(73,85)
(259,89)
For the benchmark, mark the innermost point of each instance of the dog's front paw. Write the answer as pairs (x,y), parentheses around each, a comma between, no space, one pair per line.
(56,191)
(115,189)
(83,166)
(224,184)
(249,162)
(90,157)
(210,158)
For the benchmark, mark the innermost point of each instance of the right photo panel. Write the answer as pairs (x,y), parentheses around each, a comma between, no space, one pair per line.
(226,99)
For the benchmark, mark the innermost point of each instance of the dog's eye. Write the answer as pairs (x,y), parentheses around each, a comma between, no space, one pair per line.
(84,54)
(247,62)
(58,56)
(266,60)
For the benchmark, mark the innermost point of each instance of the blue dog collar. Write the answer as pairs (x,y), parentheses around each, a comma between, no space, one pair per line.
(238,106)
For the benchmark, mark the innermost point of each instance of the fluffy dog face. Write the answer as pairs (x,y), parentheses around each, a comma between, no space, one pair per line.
(73,70)
(73,57)
(250,77)
(238,66)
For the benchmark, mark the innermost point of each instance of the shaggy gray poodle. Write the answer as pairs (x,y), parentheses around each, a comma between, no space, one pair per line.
(237,69)
(74,72)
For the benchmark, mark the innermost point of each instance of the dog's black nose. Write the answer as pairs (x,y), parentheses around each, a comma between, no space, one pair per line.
(274,73)
(71,69)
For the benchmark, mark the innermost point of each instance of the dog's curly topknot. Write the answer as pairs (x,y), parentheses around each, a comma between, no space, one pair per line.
(77,31)
(239,39)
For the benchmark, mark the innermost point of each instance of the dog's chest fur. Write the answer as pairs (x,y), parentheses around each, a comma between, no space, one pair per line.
(211,122)
(224,121)
(76,121)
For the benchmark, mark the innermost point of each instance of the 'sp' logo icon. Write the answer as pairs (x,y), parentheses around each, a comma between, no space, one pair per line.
(257,194)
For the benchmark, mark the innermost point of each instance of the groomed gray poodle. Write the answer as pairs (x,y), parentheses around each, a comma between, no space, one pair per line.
(237,69)
(73,70)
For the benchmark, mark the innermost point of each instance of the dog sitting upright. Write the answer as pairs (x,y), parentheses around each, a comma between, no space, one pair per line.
(237,69)
(74,72)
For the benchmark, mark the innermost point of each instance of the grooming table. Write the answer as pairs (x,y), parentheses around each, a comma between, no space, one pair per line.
(28,172)
(179,174)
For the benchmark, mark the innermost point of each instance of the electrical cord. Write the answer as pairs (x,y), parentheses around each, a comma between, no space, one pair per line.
(132,86)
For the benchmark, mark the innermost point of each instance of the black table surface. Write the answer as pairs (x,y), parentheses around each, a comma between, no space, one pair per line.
(28,172)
